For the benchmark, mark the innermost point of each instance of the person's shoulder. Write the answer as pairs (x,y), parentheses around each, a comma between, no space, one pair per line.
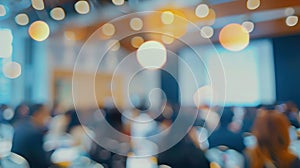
(295,163)
(22,125)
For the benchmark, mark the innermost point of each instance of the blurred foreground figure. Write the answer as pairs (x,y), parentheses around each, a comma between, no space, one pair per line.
(21,113)
(223,136)
(28,137)
(271,129)
(292,113)
(187,152)
(104,155)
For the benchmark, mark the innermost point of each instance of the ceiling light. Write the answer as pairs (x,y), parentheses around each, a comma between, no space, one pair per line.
(202,10)
(291,20)
(248,25)
(167,17)
(38,4)
(136,24)
(253,4)
(118,2)
(108,29)
(207,31)
(82,7)
(57,13)
(22,19)
(39,30)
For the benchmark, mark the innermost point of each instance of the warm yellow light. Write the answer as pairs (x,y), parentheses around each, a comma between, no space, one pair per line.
(12,70)
(167,39)
(136,24)
(166,21)
(214,165)
(113,45)
(253,4)
(291,21)
(234,37)
(22,19)
(152,55)
(39,30)
(207,31)
(167,17)
(2,10)
(108,29)
(57,13)
(248,25)
(202,10)
(82,7)
(38,4)
(69,35)
(137,41)
(118,2)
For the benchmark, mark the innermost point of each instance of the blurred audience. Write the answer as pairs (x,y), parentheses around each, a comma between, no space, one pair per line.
(79,133)
(186,153)
(209,116)
(268,133)
(271,130)
(28,137)
(21,112)
(249,117)
(223,136)
(105,156)
(292,112)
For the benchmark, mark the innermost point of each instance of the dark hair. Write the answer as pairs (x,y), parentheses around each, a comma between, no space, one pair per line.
(74,120)
(18,112)
(35,108)
(114,118)
(226,117)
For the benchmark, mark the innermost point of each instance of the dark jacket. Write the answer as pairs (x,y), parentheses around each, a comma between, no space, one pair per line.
(223,136)
(28,142)
(184,154)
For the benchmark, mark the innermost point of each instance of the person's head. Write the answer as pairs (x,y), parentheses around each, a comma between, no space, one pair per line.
(291,107)
(40,114)
(226,117)
(271,130)
(114,118)
(21,111)
(73,119)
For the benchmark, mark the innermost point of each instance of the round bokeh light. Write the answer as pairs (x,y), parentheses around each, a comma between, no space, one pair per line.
(12,70)
(39,30)
(234,37)
(152,55)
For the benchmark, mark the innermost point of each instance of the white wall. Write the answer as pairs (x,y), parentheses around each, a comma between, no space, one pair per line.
(62,54)
(249,74)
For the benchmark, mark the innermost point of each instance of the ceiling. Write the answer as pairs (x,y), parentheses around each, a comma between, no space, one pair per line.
(269,17)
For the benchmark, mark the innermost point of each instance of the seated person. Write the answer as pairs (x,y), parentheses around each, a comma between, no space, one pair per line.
(28,137)
(109,157)
(223,136)
(292,113)
(271,130)
(186,153)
